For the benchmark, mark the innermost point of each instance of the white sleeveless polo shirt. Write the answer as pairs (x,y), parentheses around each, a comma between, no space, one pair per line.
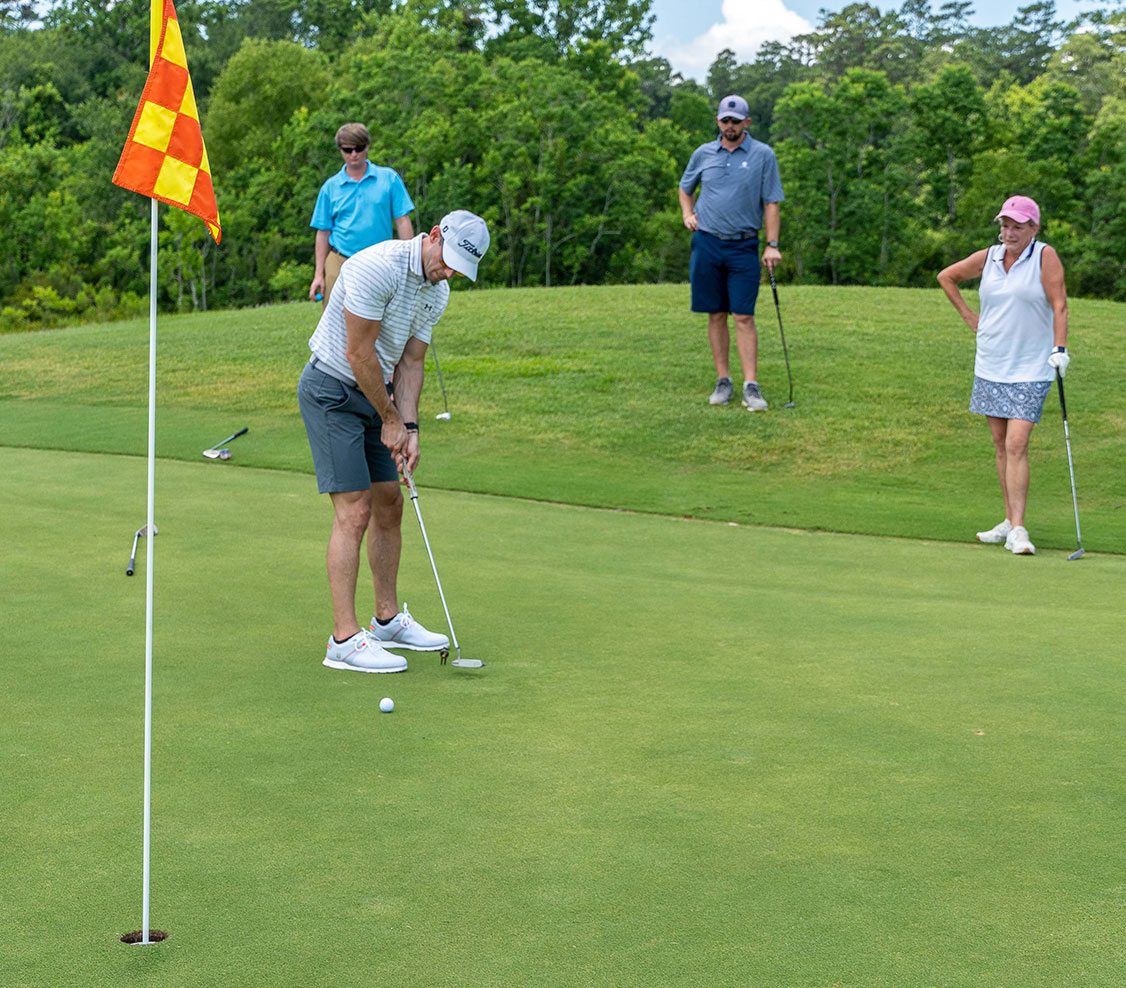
(1014,331)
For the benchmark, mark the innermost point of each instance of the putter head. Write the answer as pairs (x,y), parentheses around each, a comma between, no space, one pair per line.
(1077,553)
(467,663)
(790,404)
(444,416)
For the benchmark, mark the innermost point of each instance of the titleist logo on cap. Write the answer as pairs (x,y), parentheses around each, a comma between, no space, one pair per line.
(468,246)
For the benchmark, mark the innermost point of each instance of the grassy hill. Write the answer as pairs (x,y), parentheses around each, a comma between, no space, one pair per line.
(597,396)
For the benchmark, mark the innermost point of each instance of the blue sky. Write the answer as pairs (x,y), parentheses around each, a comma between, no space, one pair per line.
(689,33)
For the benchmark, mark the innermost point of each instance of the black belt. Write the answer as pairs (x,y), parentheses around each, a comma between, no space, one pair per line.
(341,253)
(752,235)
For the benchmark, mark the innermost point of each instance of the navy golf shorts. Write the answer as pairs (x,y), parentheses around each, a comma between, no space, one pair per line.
(724,274)
(344,434)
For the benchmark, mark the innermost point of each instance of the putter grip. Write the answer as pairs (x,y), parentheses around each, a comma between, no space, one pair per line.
(129,571)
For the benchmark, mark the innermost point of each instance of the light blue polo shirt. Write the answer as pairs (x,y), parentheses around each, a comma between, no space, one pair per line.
(362,213)
(733,185)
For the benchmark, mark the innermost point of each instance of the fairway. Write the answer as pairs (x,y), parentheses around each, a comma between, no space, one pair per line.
(699,754)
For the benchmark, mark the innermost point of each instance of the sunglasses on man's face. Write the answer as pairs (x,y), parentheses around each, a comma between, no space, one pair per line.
(348,150)
(730,120)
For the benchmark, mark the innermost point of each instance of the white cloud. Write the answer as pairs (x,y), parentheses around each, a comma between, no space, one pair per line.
(745,26)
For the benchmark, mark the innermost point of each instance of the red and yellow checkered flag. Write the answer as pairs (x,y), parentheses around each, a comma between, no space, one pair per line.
(164,157)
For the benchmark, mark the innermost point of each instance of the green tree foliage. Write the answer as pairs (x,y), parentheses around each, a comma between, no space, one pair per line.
(899,132)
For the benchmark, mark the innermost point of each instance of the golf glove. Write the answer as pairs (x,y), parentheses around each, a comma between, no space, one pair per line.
(1059,360)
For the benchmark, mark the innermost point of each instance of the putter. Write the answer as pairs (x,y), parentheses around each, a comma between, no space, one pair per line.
(785,352)
(446,414)
(142,531)
(1070,469)
(459,661)
(215,453)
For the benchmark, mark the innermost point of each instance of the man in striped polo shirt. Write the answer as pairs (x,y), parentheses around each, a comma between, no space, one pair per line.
(359,400)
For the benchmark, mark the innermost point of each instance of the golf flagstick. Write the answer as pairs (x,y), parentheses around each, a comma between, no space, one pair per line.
(782,332)
(459,661)
(1070,469)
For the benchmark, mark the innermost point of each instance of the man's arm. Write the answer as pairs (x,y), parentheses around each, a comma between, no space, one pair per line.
(687,208)
(403,227)
(771,224)
(407,385)
(362,358)
(320,255)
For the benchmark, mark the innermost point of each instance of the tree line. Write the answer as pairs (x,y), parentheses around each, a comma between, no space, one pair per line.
(898,134)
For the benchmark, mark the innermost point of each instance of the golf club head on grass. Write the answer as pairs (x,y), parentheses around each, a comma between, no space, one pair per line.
(467,663)
(140,533)
(1077,553)
(444,416)
(216,453)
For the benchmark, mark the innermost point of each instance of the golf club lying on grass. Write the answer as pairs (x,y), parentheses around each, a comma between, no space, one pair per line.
(785,352)
(1071,470)
(446,414)
(215,453)
(459,661)
(142,531)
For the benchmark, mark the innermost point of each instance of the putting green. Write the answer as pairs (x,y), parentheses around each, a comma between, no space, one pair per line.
(698,754)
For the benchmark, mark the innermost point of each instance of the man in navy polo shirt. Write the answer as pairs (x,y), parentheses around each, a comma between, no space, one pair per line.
(356,207)
(739,192)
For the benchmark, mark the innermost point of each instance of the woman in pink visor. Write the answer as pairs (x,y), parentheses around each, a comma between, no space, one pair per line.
(1021,343)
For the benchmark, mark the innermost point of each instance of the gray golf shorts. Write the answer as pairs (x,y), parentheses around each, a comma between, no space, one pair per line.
(344,434)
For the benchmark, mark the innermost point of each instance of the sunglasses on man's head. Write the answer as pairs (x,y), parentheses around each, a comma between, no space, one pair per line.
(349,150)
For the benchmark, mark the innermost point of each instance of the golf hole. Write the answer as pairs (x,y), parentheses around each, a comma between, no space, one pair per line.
(155,936)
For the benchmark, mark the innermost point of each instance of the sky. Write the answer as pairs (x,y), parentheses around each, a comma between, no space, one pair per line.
(690,33)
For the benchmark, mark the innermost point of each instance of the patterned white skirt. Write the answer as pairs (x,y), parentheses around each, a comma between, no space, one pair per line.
(1009,399)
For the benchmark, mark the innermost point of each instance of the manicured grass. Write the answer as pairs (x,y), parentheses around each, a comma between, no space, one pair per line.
(744,754)
(699,754)
(597,396)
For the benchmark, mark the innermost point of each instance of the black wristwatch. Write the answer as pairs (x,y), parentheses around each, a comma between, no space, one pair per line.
(1059,349)
(772,243)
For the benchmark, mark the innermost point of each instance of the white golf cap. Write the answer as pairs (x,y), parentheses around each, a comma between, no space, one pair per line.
(465,238)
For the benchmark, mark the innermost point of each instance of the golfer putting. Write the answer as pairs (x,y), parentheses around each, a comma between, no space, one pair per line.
(359,400)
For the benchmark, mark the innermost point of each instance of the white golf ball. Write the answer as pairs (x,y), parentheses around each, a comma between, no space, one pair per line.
(387,704)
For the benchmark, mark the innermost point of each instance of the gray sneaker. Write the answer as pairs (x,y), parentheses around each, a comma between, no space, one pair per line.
(724,391)
(753,400)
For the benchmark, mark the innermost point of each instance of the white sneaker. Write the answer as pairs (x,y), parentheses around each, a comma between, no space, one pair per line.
(1017,543)
(998,533)
(360,654)
(405,632)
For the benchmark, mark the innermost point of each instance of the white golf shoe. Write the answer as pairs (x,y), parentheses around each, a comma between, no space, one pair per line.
(998,533)
(1018,544)
(360,654)
(405,632)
